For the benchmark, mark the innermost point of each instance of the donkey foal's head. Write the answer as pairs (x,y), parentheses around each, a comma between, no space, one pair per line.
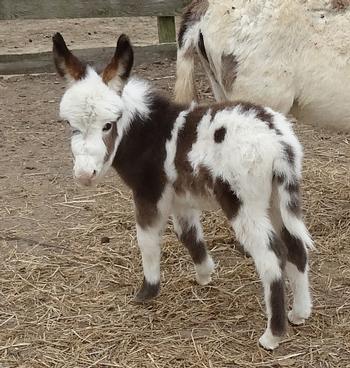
(94,107)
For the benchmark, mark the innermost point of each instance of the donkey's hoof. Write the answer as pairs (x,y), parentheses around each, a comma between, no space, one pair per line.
(203,279)
(269,341)
(147,292)
(204,271)
(295,320)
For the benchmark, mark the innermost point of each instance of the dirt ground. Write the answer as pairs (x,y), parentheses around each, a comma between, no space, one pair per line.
(28,36)
(69,264)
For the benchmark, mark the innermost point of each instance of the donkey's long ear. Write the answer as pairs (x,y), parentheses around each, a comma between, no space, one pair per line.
(118,70)
(67,65)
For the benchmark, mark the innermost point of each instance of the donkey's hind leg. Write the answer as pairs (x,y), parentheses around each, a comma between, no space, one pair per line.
(189,230)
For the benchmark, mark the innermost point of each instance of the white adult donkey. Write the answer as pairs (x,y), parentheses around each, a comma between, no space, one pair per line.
(290,55)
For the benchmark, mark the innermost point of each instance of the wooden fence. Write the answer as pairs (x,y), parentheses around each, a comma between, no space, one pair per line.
(165,10)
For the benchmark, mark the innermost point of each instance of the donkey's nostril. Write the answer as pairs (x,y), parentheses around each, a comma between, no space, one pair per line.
(86,178)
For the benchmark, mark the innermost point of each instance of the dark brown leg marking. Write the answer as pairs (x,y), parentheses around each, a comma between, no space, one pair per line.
(293,189)
(227,198)
(196,248)
(146,211)
(296,250)
(294,203)
(278,313)
(148,291)
(280,249)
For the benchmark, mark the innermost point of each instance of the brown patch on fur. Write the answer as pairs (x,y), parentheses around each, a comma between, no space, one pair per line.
(278,314)
(140,157)
(219,135)
(279,177)
(280,249)
(340,4)
(195,246)
(186,137)
(229,66)
(146,211)
(227,198)
(202,181)
(296,250)
(293,189)
(271,125)
(294,204)
(191,15)
(199,182)
(221,106)
(109,140)
(259,111)
(289,153)
(65,61)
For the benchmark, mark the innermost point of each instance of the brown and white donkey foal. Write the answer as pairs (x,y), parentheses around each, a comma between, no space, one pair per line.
(179,160)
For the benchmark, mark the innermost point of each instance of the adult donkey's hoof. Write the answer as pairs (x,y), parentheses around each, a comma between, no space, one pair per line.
(147,292)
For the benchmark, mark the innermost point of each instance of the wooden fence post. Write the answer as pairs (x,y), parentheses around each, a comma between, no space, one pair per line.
(166,29)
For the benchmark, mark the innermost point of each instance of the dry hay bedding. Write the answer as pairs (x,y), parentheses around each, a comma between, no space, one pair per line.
(67,299)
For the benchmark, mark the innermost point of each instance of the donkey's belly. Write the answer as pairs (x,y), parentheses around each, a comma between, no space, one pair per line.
(334,117)
(200,202)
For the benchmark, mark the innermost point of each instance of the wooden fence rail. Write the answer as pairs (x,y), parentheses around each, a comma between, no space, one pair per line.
(47,9)
(164,10)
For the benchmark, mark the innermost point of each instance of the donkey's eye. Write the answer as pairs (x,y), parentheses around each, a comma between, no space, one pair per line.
(107,127)
(73,130)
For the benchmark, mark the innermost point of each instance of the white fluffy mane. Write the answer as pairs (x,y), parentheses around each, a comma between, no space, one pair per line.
(137,97)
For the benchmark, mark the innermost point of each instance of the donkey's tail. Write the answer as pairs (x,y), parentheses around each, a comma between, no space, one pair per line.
(287,182)
(185,88)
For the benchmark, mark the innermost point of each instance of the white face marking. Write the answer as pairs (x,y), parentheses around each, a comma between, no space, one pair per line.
(91,108)
(99,117)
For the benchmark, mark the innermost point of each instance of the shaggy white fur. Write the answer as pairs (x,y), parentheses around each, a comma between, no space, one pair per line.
(292,55)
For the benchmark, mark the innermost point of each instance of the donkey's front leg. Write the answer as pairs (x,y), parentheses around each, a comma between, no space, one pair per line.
(151,219)
(148,239)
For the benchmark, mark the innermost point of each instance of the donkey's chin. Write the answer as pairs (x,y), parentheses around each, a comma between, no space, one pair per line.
(87,182)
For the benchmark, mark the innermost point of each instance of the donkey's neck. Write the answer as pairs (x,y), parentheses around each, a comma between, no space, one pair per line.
(141,153)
